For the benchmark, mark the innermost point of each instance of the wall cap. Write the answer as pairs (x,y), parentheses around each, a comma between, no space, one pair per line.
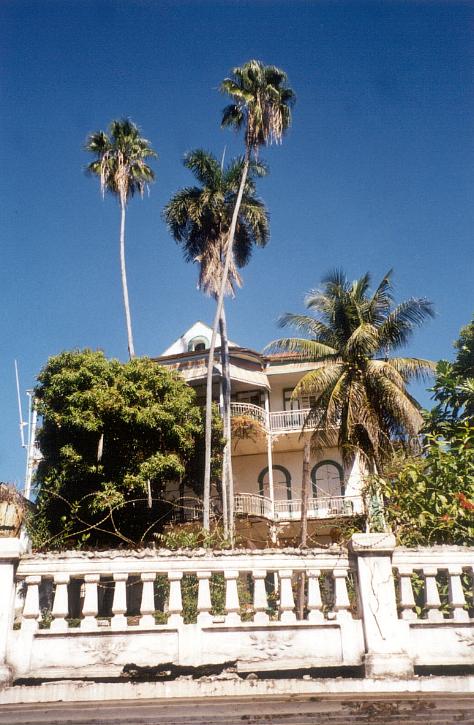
(10,548)
(372,543)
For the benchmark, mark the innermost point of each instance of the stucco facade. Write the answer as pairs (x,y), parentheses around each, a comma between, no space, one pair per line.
(267,462)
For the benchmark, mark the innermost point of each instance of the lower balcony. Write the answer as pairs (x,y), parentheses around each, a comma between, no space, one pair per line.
(324,507)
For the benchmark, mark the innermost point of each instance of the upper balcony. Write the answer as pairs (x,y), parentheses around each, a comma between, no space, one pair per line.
(281,421)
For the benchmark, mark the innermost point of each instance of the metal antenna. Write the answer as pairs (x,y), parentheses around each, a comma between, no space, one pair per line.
(23,423)
(33,456)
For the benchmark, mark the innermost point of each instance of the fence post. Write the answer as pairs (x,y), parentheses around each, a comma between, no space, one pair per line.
(384,633)
(9,557)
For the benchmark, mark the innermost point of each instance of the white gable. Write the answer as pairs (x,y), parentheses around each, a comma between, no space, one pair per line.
(199,332)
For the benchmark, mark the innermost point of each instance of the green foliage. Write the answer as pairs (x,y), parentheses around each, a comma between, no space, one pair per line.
(360,400)
(199,217)
(114,435)
(186,538)
(430,499)
(454,386)
(261,103)
(120,161)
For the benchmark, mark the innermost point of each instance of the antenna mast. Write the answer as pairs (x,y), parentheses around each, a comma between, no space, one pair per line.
(20,412)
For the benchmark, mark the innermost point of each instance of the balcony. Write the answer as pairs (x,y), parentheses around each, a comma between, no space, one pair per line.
(252,504)
(282,421)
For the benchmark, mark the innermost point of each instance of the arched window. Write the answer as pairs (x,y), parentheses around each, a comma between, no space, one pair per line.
(328,479)
(281,483)
(198,343)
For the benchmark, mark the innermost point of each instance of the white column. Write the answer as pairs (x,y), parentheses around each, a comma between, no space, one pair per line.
(407,600)
(119,605)
(9,555)
(90,606)
(457,599)
(175,604)
(60,608)
(204,604)
(384,634)
(269,452)
(432,600)
(31,610)
(147,607)
(260,603)
(232,605)
(287,602)
(341,597)
(315,605)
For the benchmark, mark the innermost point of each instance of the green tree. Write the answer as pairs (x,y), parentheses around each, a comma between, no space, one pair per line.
(261,105)
(199,219)
(454,385)
(359,393)
(113,436)
(120,164)
(430,499)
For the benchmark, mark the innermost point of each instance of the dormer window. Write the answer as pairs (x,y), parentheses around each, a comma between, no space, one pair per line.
(197,344)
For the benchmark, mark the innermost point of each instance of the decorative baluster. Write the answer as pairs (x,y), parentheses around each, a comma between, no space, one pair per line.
(432,600)
(147,608)
(204,604)
(175,604)
(315,605)
(31,610)
(456,594)
(60,608)
(407,600)
(90,606)
(341,597)
(232,605)
(119,606)
(287,602)
(260,603)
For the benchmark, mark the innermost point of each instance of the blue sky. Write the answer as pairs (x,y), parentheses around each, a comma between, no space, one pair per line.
(376,172)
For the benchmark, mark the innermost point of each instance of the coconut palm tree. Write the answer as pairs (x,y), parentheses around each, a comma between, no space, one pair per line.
(261,105)
(359,394)
(121,166)
(199,218)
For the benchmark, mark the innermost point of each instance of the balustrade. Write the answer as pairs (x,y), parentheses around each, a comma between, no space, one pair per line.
(276,580)
(435,590)
(241,606)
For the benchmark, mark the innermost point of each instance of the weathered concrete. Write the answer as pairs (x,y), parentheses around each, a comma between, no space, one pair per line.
(209,701)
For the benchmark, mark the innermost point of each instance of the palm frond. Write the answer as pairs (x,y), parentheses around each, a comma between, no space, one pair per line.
(307,350)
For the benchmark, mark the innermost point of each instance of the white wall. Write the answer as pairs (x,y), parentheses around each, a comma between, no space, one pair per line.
(247,469)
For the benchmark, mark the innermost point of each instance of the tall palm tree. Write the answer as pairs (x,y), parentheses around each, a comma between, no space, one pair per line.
(261,105)
(121,166)
(359,394)
(199,218)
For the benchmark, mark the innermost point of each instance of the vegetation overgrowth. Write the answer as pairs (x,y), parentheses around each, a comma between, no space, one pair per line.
(113,437)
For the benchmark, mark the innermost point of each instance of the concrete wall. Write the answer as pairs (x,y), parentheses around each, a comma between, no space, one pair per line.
(248,468)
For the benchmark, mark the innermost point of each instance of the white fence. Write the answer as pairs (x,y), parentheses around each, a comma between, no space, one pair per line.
(277,422)
(106,614)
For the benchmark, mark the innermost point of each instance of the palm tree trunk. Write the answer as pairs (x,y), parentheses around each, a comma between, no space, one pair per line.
(227,479)
(224,470)
(210,363)
(128,319)
(304,525)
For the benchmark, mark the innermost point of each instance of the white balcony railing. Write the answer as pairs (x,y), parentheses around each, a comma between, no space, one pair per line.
(289,420)
(277,422)
(251,411)
(324,507)
(251,504)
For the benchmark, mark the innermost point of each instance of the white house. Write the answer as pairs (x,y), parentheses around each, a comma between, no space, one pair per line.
(267,464)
